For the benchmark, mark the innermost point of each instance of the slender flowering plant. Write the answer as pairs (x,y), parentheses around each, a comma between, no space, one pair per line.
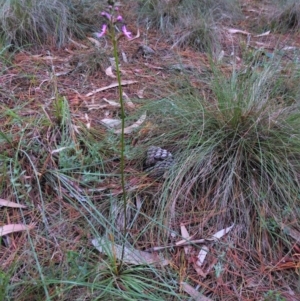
(113,22)
(111,29)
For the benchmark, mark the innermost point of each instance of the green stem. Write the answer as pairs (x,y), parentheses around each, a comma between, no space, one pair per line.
(122,140)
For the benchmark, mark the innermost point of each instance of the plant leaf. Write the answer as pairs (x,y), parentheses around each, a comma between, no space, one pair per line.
(132,127)
(233,30)
(128,102)
(11,228)
(131,255)
(112,103)
(263,34)
(201,256)
(110,122)
(109,72)
(94,41)
(222,232)
(185,234)
(197,296)
(113,85)
(6,203)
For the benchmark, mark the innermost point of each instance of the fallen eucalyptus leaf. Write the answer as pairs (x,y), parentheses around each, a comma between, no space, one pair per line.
(111,123)
(263,34)
(109,72)
(131,255)
(94,41)
(201,256)
(6,203)
(199,270)
(112,103)
(140,93)
(59,149)
(124,57)
(222,232)
(220,55)
(88,121)
(185,234)
(132,127)
(78,44)
(11,228)
(233,30)
(128,102)
(113,85)
(197,296)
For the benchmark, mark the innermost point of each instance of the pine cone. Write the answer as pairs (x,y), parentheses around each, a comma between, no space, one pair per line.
(158,161)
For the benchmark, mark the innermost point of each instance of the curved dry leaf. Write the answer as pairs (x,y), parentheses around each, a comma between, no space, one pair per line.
(222,232)
(233,30)
(263,34)
(131,255)
(185,234)
(113,85)
(11,228)
(88,121)
(94,41)
(7,203)
(137,35)
(128,102)
(110,122)
(201,256)
(124,57)
(109,72)
(112,103)
(132,127)
(78,44)
(140,93)
(59,150)
(197,296)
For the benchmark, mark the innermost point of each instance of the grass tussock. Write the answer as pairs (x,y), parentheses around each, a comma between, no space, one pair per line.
(33,22)
(186,23)
(287,17)
(238,159)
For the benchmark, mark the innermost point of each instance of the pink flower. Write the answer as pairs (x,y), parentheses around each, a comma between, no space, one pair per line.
(119,18)
(107,15)
(103,31)
(126,33)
